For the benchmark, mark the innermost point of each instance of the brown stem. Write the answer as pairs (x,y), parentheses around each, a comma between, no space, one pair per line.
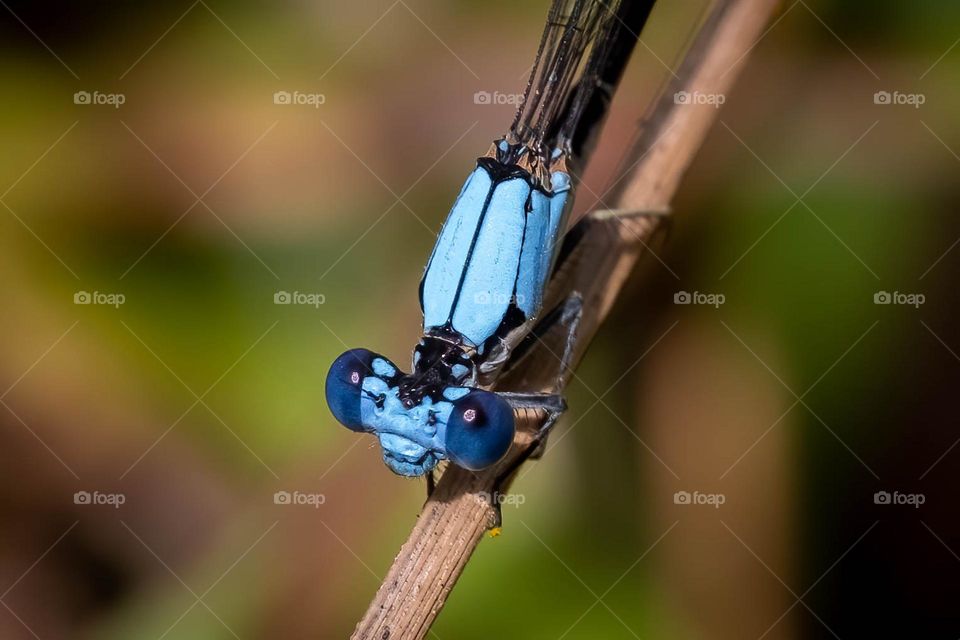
(455,517)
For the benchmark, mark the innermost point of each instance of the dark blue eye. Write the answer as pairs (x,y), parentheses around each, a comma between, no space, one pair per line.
(479,430)
(344,386)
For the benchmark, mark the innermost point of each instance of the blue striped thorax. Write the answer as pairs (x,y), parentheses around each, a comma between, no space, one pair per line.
(493,256)
(485,278)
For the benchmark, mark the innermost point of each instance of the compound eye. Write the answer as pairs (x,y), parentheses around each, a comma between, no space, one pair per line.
(480,430)
(344,386)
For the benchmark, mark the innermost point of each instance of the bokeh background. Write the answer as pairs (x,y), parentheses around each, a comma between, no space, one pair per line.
(142,444)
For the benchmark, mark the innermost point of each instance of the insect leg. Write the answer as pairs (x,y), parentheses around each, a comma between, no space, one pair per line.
(566,315)
(554,405)
(551,402)
(553,339)
(571,312)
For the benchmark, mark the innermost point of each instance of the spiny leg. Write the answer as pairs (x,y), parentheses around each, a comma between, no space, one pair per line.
(554,406)
(566,316)
(570,319)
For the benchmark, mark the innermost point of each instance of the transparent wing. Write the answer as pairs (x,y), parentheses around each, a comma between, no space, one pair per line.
(573,28)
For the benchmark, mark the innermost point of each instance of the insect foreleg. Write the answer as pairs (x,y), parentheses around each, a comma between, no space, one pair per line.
(565,317)
(554,406)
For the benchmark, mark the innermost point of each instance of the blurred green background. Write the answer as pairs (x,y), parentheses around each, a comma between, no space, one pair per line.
(197,399)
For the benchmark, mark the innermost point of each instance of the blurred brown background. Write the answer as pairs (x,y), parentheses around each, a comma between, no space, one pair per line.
(154,399)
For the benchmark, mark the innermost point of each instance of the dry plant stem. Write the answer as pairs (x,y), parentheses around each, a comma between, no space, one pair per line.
(456,516)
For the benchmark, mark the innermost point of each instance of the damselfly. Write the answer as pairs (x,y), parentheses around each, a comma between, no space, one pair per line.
(483,288)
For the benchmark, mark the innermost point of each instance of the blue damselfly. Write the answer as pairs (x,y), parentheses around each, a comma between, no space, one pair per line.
(483,288)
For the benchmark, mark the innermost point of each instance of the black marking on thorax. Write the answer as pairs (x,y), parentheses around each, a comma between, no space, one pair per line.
(433,371)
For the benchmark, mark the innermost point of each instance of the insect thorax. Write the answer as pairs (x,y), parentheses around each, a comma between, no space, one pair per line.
(439,361)
(538,163)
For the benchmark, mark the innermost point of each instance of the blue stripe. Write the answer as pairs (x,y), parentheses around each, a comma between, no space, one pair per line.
(447,263)
(530,278)
(489,279)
